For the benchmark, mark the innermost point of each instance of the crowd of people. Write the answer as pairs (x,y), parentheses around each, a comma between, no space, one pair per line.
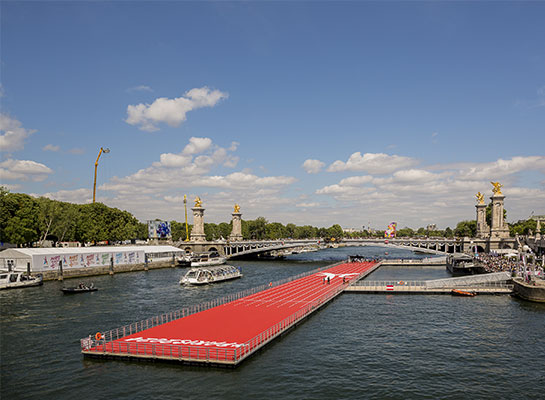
(497,263)
(361,259)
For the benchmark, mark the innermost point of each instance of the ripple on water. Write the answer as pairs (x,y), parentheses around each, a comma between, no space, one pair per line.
(358,346)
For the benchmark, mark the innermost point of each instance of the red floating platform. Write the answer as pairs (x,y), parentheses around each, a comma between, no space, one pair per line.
(230,332)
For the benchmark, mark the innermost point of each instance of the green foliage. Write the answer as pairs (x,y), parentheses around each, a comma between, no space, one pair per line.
(25,219)
(466,228)
(524,227)
(178,230)
(335,231)
(19,221)
(405,232)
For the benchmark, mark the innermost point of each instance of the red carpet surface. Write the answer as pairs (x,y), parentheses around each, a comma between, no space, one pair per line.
(231,331)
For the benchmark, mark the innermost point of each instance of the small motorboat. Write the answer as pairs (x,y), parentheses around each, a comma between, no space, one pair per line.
(12,280)
(202,276)
(81,288)
(456,292)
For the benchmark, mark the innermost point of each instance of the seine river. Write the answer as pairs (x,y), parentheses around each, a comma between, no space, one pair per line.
(359,346)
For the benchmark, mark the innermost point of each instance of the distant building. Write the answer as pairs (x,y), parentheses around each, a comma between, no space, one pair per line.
(431,227)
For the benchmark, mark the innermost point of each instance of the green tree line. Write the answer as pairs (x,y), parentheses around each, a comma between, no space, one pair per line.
(25,219)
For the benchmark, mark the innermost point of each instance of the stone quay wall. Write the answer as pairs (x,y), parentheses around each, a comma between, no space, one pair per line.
(104,270)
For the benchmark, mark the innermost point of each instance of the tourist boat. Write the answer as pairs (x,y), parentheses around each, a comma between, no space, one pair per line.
(81,288)
(207,259)
(183,261)
(11,280)
(202,276)
(463,264)
(456,292)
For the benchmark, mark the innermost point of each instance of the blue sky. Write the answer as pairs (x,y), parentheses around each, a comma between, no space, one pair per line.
(307,112)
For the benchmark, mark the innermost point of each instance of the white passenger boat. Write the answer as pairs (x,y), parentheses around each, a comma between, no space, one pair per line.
(9,280)
(207,259)
(202,276)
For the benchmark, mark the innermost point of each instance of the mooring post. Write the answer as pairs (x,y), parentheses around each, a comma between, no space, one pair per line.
(60,277)
(28,269)
(145,262)
(111,265)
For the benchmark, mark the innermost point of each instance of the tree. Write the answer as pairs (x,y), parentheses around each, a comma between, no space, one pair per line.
(224,229)
(405,232)
(256,229)
(466,228)
(335,231)
(275,230)
(524,227)
(19,221)
(448,232)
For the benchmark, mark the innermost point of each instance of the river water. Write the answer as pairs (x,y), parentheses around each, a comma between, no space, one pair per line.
(360,346)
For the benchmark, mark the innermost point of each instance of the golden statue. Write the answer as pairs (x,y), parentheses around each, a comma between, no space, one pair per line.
(480,197)
(497,188)
(198,202)
(237,208)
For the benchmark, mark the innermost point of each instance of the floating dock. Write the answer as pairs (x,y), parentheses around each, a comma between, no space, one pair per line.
(226,331)
(494,283)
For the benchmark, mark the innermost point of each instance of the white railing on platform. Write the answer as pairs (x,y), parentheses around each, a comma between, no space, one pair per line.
(101,339)
(419,285)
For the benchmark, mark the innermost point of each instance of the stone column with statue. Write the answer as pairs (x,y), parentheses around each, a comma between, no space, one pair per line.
(197,232)
(499,228)
(483,230)
(236,232)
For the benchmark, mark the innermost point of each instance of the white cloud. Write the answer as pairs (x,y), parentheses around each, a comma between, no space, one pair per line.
(140,88)
(11,187)
(241,180)
(373,163)
(197,145)
(171,111)
(495,170)
(442,194)
(79,196)
(23,170)
(13,134)
(356,180)
(313,166)
(414,176)
(190,168)
(308,205)
(51,147)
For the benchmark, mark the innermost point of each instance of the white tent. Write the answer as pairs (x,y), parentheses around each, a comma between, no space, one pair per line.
(48,259)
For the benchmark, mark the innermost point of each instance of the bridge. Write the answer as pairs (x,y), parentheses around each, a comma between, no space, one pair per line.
(232,249)
(245,248)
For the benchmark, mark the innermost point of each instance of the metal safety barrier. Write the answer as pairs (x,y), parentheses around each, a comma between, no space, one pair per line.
(102,342)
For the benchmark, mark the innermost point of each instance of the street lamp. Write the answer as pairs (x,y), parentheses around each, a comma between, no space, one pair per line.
(96,166)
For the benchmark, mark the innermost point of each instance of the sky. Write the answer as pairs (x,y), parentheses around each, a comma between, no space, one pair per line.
(356,113)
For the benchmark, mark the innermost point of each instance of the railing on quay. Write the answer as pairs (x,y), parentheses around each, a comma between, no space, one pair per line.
(101,339)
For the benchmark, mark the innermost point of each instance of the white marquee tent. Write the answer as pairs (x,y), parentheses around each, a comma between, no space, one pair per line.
(48,259)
